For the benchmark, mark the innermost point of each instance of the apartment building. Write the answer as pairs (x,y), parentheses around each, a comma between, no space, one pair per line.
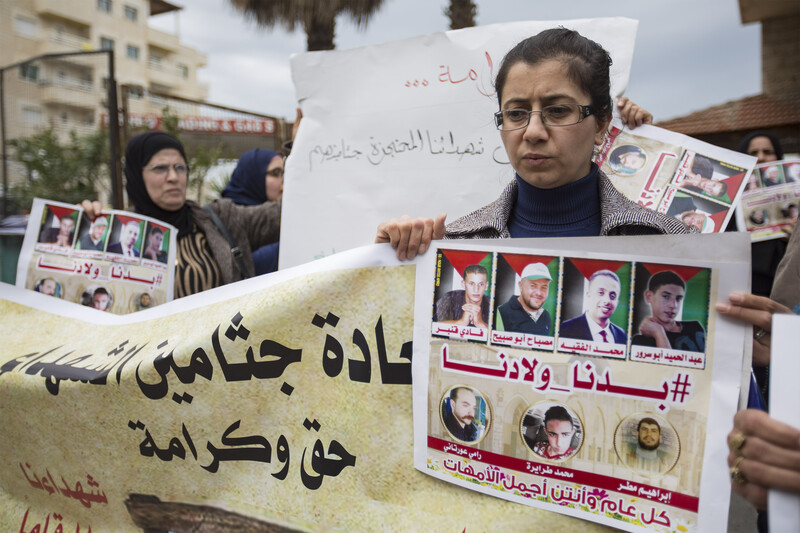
(69,93)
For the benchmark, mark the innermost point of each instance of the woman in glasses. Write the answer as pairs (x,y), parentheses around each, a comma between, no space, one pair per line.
(156,177)
(258,178)
(553,90)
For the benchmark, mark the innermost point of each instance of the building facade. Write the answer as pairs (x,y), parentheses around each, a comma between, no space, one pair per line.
(69,93)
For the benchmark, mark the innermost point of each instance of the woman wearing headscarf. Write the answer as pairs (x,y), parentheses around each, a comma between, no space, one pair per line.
(258,178)
(156,178)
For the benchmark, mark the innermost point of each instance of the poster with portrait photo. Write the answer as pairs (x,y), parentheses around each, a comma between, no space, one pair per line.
(670,314)
(703,213)
(462,295)
(125,238)
(648,444)
(647,163)
(551,431)
(595,307)
(595,394)
(155,250)
(466,416)
(56,231)
(769,206)
(708,177)
(92,236)
(526,301)
(96,257)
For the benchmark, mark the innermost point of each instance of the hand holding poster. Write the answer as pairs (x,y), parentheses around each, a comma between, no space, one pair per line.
(578,379)
(119,262)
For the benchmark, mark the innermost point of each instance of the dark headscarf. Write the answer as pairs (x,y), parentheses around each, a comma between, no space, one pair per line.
(138,153)
(744,144)
(247,186)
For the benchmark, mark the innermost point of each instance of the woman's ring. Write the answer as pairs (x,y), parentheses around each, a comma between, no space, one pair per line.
(737,475)
(760,332)
(736,441)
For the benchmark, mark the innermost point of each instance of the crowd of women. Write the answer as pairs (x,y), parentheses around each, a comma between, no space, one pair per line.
(553,92)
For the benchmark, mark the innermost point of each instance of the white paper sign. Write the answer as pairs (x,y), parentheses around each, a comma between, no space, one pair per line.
(406,128)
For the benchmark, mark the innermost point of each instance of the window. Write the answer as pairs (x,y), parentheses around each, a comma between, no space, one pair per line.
(135,92)
(104,6)
(29,72)
(25,27)
(106,44)
(133,52)
(31,116)
(64,117)
(131,13)
(184,71)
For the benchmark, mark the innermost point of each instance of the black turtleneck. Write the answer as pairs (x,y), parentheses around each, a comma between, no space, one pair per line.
(572,210)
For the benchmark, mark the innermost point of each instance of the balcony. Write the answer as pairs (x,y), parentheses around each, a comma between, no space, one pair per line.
(70,92)
(61,42)
(80,11)
(163,40)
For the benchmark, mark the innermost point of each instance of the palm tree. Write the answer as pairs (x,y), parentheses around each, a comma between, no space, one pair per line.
(318,17)
(461,14)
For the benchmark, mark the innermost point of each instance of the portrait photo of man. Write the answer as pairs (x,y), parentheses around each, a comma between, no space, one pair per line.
(665,295)
(153,247)
(126,245)
(461,412)
(525,312)
(93,239)
(627,159)
(647,451)
(97,297)
(468,306)
(554,438)
(62,235)
(600,301)
(48,286)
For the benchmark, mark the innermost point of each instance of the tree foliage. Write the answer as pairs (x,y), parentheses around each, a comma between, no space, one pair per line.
(461,13)
(57,170)
(317,17)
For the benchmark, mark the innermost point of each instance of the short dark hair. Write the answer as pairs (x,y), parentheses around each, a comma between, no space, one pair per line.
(587,64)
(648,420)
(475,269)
(558,412)
(622,150)
(667,277)
(454,392)
(702,166)
(156,229)
(99,290)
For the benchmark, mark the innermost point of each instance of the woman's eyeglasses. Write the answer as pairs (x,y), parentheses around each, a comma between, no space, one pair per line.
(552,115)
(163,170)
(275,172)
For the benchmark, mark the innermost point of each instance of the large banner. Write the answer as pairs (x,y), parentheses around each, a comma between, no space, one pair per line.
(280,403)
(583,381)
(406,127)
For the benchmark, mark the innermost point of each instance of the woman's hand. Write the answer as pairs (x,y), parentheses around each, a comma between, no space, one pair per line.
(764,454)
(92,209)
(632,115)
(410,236)
(758,311)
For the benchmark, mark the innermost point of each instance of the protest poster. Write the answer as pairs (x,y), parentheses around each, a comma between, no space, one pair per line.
(671,173)
(120,262)
(407,127)
(279,403)
(771,200)
(539,376)
(785,407)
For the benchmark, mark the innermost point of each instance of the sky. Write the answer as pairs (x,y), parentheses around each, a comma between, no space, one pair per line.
(689,55)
